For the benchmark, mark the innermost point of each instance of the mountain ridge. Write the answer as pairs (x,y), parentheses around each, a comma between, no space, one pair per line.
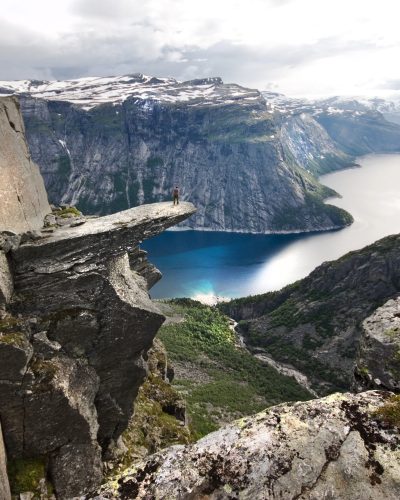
(249,165)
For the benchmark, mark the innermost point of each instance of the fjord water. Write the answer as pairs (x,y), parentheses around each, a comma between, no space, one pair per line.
(198,264)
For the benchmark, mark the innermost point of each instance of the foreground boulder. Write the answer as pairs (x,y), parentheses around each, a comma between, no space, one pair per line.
(336,448)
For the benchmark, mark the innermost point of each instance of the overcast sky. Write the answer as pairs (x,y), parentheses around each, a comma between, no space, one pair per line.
(298,47)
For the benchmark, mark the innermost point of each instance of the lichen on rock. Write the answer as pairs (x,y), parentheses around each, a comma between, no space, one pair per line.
(327,448)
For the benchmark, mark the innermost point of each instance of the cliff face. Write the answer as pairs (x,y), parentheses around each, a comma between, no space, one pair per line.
(306,143)
(324,135)
(106,150)
(74,342)
(246,159)
(335,447)
(76,322)
(23,198)
(315,324)
(361,134)
(380,340)
(225,158)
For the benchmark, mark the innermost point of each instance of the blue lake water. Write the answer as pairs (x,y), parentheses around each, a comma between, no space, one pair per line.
(205,264)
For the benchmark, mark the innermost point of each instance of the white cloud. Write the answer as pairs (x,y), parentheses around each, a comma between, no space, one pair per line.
(300,46)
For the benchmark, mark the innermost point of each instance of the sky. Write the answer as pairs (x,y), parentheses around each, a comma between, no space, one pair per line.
(297,47)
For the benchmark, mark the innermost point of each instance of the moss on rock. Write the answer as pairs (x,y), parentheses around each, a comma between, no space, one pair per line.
(29,475)
(67,212)
(390,411)
(159,418)
(17,339)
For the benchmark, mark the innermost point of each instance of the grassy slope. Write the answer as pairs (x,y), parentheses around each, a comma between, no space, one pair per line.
(219,380)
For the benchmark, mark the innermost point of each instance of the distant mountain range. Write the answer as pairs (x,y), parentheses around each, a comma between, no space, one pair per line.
(248,160)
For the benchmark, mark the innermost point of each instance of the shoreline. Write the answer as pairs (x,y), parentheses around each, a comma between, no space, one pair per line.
(265,233)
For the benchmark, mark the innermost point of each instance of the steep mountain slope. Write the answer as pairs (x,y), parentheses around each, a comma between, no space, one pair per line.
(355,126)
(107,144)
(315,324)
(219,379)
(306,143)
(359,134)
(246,159)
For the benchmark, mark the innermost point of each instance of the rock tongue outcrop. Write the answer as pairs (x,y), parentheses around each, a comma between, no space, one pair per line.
(328,448)
(73,352)
(23,198)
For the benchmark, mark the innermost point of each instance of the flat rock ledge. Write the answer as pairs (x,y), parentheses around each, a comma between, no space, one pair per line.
(100,237)
(331,448)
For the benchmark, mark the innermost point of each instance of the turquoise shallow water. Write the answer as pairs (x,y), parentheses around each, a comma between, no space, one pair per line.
(234,265)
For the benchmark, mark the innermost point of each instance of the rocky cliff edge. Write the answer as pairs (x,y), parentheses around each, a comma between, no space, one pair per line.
(76,322)
(74,338)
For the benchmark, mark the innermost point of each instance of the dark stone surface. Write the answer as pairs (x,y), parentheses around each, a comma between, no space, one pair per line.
(84,466)
(73,354)
(140,264)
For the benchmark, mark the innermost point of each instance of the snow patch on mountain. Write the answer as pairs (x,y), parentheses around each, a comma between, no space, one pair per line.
(93,91)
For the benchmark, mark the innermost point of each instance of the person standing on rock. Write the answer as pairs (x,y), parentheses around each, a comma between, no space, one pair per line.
(175,195)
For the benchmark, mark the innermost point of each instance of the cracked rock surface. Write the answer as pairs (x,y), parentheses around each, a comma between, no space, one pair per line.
(331,448)
(23,198)
(76,320)
(74,339)
(4,486)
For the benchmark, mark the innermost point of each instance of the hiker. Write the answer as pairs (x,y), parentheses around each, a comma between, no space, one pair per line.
(175,195)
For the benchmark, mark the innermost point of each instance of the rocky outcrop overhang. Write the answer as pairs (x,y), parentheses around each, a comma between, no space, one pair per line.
(74,339)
